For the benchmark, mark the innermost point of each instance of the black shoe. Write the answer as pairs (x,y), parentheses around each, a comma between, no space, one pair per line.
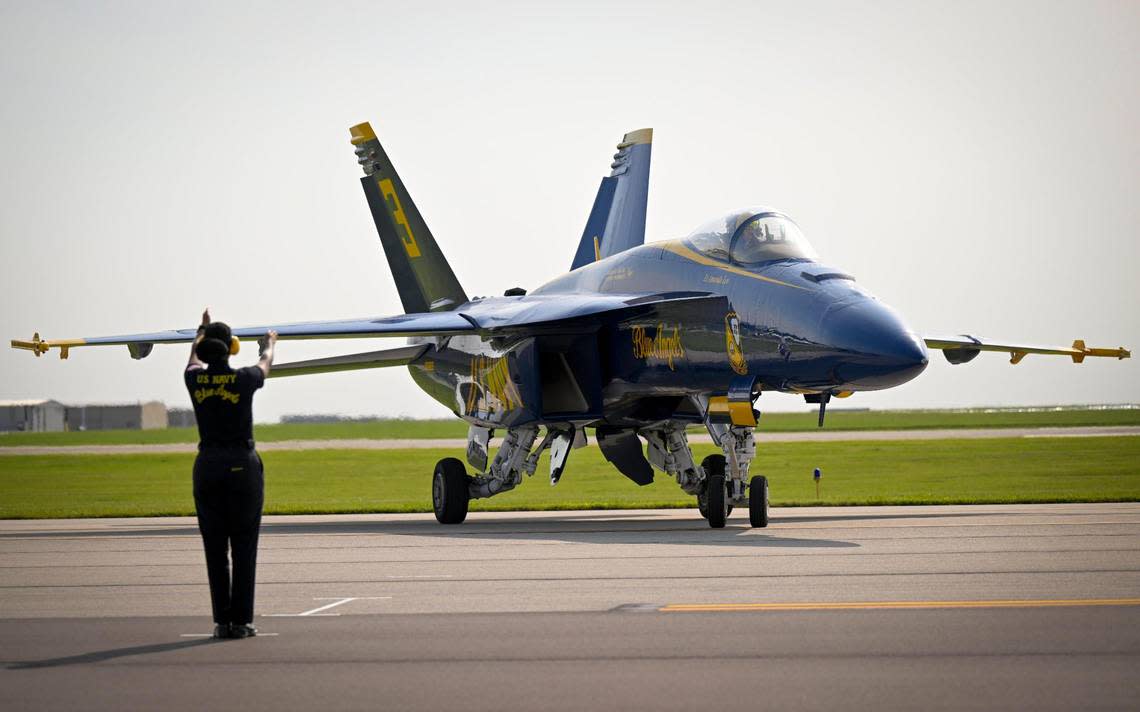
(242,630)
(222,631)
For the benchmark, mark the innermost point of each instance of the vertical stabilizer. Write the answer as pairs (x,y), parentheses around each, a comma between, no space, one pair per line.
(423,278)
(617,220)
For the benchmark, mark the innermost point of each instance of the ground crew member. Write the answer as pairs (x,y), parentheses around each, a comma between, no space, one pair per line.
(229,483)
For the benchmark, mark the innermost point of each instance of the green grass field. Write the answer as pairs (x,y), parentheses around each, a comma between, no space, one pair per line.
(455,428)
(327,481)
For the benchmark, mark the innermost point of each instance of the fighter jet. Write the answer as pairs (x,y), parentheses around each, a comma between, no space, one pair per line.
(635,342)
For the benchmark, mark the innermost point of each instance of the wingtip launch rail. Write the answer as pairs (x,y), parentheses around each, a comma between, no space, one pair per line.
(964,348)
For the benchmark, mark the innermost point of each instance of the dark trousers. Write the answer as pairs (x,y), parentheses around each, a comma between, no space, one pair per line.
(229,490)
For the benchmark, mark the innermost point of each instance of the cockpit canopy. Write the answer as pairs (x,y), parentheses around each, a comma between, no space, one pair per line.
(751,237)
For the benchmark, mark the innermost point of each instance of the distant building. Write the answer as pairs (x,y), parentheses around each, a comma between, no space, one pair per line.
(133,416)
(32,416)
(180,418)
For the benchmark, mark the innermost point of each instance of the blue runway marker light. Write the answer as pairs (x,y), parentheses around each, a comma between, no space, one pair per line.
(815,476)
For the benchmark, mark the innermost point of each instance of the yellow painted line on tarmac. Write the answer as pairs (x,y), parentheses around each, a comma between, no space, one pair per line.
(872,605)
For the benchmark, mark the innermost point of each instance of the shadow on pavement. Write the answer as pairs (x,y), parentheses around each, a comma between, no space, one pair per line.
(609,526)
(620,528)
(103,655)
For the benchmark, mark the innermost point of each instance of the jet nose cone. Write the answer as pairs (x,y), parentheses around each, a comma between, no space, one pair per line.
(877,349)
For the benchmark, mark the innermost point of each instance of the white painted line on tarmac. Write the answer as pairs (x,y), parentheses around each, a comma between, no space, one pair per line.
(636,608)
(318,611)
(419,576)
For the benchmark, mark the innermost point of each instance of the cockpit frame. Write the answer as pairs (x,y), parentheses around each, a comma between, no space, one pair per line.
(714,240)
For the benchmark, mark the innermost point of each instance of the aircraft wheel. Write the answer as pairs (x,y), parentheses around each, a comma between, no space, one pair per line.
(712,465)
(715,496)
(449,491)
(718,502)
(758,501)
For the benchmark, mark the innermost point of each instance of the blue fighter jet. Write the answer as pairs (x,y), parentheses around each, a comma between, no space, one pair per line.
(636,342)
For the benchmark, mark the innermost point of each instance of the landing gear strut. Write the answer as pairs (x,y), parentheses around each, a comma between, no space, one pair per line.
(450,491)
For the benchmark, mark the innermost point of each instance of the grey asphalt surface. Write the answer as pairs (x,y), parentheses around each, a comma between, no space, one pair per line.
(576,610)
(460,443)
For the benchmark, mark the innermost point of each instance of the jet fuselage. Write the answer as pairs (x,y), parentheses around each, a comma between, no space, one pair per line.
(796,325)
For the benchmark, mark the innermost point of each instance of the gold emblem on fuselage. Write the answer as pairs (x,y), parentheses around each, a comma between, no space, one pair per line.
(733,344)
(663,345)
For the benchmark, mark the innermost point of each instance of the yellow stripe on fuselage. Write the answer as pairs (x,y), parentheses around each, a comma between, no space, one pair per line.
(679,249)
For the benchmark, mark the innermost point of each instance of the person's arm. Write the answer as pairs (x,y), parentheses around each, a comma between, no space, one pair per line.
(266,343)
(194,361)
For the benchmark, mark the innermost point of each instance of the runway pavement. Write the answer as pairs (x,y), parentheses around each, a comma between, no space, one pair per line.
(966,607)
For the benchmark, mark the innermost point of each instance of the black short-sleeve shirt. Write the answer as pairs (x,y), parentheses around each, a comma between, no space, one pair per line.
(223,403)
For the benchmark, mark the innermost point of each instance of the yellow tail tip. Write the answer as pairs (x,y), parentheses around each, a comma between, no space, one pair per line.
(639,136)
(362,133)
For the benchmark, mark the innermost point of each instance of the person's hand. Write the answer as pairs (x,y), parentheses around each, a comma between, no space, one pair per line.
(206,317)
(268,340)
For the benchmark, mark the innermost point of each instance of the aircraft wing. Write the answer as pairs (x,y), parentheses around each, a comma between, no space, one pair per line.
(489,317)
(963,348)
(427,324)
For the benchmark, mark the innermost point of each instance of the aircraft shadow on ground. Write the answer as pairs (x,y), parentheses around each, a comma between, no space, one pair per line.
(99,656)
(613,527)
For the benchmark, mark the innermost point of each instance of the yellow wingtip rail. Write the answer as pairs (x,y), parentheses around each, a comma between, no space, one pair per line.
(40,346)
(1079,346)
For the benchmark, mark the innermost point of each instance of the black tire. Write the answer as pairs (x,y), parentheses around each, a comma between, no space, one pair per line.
(758,501)
(718,504)
(711,464)
(715,495)
(449,491)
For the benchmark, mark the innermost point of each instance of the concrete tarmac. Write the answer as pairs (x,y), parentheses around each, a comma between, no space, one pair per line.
(964,607)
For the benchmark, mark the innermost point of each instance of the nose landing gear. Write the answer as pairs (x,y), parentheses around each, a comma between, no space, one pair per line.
(758,501)
(712,499)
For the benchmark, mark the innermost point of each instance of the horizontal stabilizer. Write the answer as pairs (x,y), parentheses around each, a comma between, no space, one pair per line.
(351,362)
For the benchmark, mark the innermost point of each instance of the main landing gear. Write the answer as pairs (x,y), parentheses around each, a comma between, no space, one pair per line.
(452,488)
(450,491)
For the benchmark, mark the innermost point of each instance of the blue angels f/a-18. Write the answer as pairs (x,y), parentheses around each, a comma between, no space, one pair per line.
(636,341)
